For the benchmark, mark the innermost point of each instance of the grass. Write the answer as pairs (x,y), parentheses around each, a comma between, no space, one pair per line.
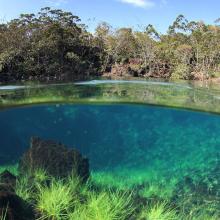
(24,188)
(152,183)
(26,184)
(74,182)
(3,215)
(69,199)
(163,189)
(204,217)
(209,211)
(107,196)
(40,175)
(54,201)
(121,178)
(106,205)
(160,211)
(155,186)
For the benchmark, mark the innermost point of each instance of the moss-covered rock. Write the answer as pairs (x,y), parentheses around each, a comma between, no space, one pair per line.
(55,158)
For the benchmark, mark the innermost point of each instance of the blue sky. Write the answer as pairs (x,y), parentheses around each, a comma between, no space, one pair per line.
(129,13)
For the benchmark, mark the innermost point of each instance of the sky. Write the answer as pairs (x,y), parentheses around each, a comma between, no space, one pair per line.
(120,13)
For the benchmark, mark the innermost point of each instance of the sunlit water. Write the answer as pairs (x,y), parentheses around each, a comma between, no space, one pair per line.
(155,151)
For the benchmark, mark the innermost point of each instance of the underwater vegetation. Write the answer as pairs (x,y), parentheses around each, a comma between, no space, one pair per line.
(39,194)
(60,199)
(127,162)
(159,211)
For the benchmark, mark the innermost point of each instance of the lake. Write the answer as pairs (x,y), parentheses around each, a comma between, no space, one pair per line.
(158,141)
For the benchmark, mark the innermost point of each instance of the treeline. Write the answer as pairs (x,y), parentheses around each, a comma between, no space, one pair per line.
(50,45)
(189,50)
(54,45)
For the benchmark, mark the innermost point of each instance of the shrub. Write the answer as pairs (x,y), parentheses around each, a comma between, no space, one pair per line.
(181,71)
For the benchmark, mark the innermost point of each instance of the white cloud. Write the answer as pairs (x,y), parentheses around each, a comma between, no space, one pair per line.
(56,3)
(140,3)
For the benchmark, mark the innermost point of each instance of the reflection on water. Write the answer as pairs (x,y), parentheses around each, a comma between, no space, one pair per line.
(178,95)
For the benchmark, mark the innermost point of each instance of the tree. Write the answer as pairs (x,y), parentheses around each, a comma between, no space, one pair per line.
(51,44)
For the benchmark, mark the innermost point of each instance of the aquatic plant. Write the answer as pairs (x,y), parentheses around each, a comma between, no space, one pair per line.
(203,216)
(159,211)
(106,205)
(199,210)
(24,187)
(12,168)
(75,183)
(120,178)
(40,175)
(26,183)
(3,215)
(54,201)
(163,188)
(146,182)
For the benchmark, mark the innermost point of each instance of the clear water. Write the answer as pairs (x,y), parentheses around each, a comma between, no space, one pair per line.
(157,152)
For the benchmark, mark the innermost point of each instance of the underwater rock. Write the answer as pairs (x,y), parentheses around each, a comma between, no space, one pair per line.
(15,207)
(8,178)
(6,188)
(55,158)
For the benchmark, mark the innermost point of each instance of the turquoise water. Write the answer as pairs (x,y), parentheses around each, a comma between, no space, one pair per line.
(117,135)
(159,145)
(157,152)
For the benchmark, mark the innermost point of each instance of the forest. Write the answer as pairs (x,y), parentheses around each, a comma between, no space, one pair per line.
(54,45)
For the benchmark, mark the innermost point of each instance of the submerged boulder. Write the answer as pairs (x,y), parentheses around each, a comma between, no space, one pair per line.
(55,158)
(7,181)
(14,208)
(8,178)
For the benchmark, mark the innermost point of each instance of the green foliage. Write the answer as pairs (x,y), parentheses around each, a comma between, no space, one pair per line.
(161,189)
(51,44)
(74,183)
(160,211)
(70,199)
(54,45)
(203,216)
(188,47)
(54,201)
(214,74)
(24,188)
(27,183)
(152,182)
(40,176)
(106,205)
(182,71)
